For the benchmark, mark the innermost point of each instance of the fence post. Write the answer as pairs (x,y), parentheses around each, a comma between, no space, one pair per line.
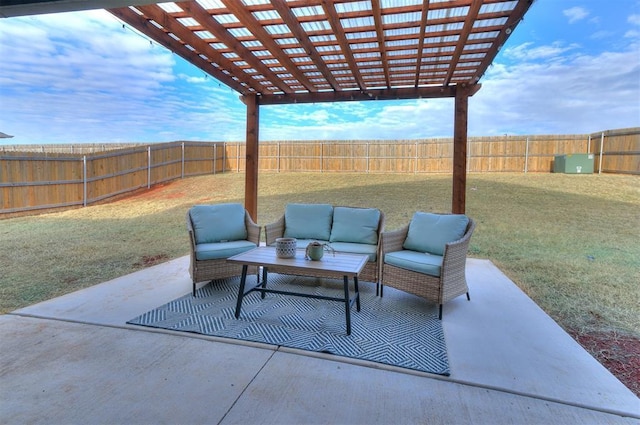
(321,157)
(415,163)
(148,167)
(601,149)
(368,144)
(278,165)
(84,180)
(182,176)
(215,157)
(589,144)
(526,156)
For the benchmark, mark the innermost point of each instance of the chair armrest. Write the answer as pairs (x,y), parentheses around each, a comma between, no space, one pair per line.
(192,238)
(274,230)
(253,230)
(392,241)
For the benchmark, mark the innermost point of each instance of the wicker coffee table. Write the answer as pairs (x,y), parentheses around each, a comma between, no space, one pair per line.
(341,265)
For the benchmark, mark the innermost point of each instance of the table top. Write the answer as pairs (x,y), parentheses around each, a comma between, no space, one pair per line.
(341,264)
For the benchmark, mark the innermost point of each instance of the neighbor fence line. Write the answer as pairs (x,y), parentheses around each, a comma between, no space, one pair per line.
(55,176)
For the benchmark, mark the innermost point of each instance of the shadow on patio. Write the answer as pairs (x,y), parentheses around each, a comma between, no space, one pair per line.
(75,360)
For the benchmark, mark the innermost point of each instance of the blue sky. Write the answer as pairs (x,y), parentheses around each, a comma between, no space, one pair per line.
(572,66)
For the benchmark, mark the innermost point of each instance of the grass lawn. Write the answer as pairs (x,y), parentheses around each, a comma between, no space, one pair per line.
(571,242)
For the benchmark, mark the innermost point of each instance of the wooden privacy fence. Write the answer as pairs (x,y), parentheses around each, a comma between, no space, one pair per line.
(54,176)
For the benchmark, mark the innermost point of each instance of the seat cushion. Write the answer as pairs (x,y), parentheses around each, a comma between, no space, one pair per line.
(357,225)
(419,262)
(217,223)
(356,248)
(218,251)
(431,232)
(308,221)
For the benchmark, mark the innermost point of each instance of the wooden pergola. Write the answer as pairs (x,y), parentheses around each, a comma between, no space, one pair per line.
(308,51)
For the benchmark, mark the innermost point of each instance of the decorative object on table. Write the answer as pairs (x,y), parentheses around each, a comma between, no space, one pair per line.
(399,329)
(315,250)
(286,247)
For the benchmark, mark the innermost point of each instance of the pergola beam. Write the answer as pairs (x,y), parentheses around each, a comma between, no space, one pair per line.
(360,95)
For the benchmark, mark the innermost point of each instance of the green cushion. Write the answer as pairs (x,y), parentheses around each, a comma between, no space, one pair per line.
(431,232)
(218,251)
(419,262)
(308,221)
(357,225)
(355,248)
(216,223)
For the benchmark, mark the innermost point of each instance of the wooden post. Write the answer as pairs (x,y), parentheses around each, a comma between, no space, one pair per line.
(251,165)
(460,150)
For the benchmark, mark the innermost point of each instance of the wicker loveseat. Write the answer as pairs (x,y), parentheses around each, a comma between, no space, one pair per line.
(427,257)
(217,232)
(346,229)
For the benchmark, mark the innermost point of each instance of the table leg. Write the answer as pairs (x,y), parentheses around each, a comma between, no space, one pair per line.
(355,284)
(243,281)
(346,304)
(264,280)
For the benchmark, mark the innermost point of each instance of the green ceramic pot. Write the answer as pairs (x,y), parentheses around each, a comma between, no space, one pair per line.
(315,252)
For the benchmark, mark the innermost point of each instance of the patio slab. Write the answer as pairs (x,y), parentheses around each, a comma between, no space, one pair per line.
(55,372)
(507,358)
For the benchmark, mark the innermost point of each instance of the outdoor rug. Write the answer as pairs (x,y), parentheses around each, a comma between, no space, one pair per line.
(398,330)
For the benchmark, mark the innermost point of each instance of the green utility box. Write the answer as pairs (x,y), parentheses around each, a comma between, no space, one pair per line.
(576,163)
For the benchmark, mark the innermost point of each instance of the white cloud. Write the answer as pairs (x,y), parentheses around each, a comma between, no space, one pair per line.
(634,19)
(194,80)
(524,51)
(79,77)
(583,94)
(575,14)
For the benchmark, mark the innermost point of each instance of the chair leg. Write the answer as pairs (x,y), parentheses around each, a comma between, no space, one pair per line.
(194,289)
(440,313)
(468,297)
(381,289)
(377,288)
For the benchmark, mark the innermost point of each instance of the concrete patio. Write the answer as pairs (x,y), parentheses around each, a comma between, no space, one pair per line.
(75,360)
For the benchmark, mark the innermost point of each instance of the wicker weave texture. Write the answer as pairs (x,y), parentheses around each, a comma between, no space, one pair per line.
(452,281)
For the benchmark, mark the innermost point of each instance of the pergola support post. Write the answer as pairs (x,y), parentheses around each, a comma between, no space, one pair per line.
(251,151)
(460,150)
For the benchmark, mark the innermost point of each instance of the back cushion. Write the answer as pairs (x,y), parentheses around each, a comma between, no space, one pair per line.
(308,221)
(357,225)
(431,232)
(216,223)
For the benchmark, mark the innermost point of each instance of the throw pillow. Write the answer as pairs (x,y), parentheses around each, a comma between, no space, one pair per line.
(431,232)
(357,225)
(308,221)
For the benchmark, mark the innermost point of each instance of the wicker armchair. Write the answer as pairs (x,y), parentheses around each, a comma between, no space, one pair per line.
(440,287)
(209,257)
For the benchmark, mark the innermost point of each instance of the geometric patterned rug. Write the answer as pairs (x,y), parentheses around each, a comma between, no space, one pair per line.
(398,331)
